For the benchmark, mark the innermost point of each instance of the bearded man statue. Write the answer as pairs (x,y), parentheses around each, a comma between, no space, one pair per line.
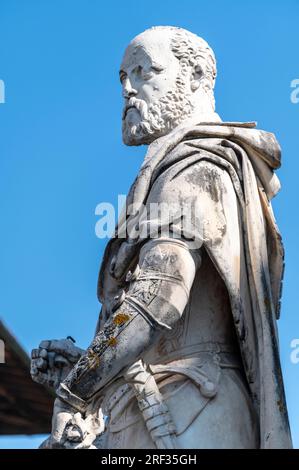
(185,354)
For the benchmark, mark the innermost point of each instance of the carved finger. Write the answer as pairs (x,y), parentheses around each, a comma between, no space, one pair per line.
(35,353)
(60,361)
(43,353)
(33,369)
(45,344)
(41,364)
(34,366)
(63,347)
(39,377)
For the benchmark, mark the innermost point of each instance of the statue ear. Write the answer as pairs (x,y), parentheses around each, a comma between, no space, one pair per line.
(197,75)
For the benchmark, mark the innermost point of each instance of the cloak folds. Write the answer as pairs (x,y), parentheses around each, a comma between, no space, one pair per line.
(252,269)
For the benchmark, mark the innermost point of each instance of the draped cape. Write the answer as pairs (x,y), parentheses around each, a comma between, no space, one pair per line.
(249,156)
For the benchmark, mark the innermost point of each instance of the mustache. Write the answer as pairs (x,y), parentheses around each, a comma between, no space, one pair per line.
(138,104)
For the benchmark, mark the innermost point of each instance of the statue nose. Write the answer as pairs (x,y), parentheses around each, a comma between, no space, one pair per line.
(128,90)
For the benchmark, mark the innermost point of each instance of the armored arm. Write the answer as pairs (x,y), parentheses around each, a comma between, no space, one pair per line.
(153,303)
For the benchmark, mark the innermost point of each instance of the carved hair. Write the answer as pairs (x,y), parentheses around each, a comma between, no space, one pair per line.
(191,50)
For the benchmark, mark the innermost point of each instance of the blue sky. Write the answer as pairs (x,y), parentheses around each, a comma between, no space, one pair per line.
(61,152)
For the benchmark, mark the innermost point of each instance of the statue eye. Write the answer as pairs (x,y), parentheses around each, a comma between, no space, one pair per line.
(122,76)
(153,70)
(157,68)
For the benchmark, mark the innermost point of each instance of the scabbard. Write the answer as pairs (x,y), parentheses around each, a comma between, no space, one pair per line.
(154,410)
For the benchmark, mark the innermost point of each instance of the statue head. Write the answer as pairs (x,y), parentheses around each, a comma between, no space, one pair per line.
(168,76)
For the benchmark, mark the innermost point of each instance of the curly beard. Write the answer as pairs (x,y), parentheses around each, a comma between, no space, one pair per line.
(158,118)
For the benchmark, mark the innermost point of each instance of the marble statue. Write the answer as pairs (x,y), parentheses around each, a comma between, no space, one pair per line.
(185,353)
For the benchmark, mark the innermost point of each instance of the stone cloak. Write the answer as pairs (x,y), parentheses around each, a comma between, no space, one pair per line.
(249,156)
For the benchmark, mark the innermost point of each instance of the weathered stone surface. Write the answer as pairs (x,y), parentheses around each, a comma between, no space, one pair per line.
(185,354)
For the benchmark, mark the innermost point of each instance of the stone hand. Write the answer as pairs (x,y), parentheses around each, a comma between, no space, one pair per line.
(71,430)
(53,360)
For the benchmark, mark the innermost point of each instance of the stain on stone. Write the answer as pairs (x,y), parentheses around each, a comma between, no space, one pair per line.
(120,319)
(112,342)
(94,359)
(281,406)
(208,179)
